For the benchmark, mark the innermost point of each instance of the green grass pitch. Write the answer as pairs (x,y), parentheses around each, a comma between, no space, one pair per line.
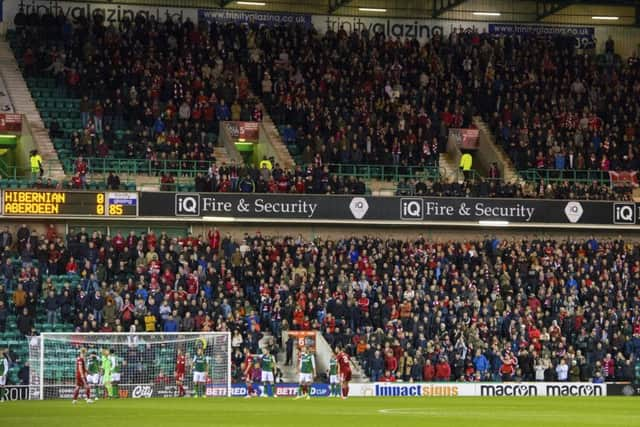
(354,412)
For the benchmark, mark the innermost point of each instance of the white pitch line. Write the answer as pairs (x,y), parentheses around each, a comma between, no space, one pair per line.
(409,411)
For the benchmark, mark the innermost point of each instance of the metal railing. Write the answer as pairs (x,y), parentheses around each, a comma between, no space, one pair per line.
(12,171)
(123,167)
(385,172)
(8,171)
(551,176)
(12,176)
(189,168)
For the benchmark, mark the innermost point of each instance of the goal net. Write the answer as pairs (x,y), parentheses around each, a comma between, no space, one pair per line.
(141,364)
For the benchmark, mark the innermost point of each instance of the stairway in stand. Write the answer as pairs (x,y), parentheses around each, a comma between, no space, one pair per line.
(449,170)
(509,173)
(221,155)
(23,104)
(275,139)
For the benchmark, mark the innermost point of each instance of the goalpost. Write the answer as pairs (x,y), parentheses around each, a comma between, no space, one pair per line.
(145,362)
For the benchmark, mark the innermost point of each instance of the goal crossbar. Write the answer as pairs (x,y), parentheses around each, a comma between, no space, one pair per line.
(145,362)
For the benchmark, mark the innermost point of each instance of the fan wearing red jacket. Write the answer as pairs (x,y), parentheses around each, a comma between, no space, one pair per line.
(388,377)
(345,371)
(181,362)
(81,377)
(509,364)
(443,370)
(214,239)
(193,287)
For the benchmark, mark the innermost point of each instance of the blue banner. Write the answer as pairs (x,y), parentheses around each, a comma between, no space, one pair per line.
(247,16)
(281,390)
(585,36)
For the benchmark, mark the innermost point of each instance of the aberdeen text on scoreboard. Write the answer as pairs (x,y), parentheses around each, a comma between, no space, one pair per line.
(69,203)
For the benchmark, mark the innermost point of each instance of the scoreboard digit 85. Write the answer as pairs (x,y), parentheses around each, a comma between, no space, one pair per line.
(68,203)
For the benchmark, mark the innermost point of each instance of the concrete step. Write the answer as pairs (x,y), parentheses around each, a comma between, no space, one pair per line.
(357,373)
(282,153)
(382,188)
(24,104)
(448,168)
(221,155)
(510,174)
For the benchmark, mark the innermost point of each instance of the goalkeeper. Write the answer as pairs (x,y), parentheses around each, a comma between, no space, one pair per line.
(199,373)
(106,372)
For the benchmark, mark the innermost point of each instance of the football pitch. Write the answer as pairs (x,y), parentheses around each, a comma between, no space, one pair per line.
(354,412)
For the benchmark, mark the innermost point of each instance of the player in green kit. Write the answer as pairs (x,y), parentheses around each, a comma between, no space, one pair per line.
(93,373)
(115,376)
(199,373)
(268,367)
(334,376)
(306,373)
(106,372)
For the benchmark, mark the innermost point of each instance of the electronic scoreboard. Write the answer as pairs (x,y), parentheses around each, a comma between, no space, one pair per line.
(52,203)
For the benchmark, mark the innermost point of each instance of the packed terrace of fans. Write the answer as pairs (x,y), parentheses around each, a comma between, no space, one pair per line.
(496,188)
(420,309)
(337,97)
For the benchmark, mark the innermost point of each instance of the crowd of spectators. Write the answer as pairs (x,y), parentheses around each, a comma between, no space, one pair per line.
(358,97)
(341,97)
(497,188)
(168,83)
(552,106)
(171,82)
(421,310)
(407,309)
(247,179)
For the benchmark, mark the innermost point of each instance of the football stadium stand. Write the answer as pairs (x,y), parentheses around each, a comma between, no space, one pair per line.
(360,114)
(446,311)
(156,100)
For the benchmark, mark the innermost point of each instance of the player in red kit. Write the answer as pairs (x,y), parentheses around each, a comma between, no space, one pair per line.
(345,371)
(181,362)
(247,371)
(81,377)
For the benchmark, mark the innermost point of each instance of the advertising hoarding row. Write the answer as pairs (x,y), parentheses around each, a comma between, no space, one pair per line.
(252,207)
(415,390)
(420,29)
